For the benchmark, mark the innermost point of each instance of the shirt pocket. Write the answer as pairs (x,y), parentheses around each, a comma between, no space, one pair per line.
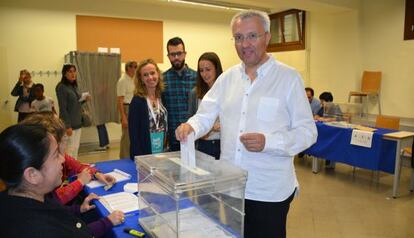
(267,109)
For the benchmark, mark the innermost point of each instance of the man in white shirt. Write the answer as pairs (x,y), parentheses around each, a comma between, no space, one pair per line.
(265,121)
(125,92)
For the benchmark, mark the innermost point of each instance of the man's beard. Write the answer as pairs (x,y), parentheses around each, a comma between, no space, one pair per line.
(178,65)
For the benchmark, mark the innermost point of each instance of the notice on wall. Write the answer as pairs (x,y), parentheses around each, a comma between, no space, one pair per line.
(102,50)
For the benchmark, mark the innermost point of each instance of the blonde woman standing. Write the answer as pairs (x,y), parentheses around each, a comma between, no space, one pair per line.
(147,117)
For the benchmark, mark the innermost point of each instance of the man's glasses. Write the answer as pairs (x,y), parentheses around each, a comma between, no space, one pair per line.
(250,37)
(176,54)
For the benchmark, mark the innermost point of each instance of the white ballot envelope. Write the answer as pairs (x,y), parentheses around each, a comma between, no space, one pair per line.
(84,96)
(188,151)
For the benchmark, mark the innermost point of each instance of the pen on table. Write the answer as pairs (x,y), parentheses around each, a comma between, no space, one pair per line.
(130,214)
(134,232)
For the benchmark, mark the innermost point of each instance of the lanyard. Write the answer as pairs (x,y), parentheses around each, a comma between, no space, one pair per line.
(156,121)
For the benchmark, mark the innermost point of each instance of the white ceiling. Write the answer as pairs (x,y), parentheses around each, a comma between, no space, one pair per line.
(273,5)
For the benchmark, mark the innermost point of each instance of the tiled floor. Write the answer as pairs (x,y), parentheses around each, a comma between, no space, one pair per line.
(336,204)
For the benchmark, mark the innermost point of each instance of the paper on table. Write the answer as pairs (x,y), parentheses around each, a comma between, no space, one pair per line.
(84,96)
(122,201)
(119,176)
(188,151)
(362,138)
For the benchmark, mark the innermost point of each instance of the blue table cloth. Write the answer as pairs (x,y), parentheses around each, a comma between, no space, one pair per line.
(131,220)
(333,143)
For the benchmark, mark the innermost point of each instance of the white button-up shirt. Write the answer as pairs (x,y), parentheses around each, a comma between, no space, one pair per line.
(274,104)
(125,87)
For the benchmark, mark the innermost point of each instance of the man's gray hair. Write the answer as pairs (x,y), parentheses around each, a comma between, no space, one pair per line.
(264,18)
(130,64)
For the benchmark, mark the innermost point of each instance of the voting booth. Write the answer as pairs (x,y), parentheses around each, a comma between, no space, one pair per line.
(181,201)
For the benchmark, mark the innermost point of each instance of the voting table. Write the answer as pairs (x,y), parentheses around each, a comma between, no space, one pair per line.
(131,219)
(175,200)
(334,143)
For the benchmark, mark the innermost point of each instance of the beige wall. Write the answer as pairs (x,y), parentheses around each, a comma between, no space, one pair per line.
(37,34)
(383,48)
(343,44)
(334,53)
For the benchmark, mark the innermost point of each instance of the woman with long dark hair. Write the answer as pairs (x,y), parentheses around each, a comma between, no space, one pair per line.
(209,69)
(69,96)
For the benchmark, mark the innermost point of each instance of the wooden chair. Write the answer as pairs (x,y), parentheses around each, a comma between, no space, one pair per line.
(388,122)
(370,86)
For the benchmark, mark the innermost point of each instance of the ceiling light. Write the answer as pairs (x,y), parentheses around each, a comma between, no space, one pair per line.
(218,4)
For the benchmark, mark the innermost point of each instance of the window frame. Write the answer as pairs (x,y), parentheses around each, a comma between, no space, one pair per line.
(409,20)
(292,45)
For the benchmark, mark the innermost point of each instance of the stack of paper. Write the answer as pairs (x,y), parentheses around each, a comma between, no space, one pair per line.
(122,201)
(119,176)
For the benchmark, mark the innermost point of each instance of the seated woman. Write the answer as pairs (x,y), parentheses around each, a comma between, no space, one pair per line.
(147,118)
(329,111)
(31,167)
(84,173)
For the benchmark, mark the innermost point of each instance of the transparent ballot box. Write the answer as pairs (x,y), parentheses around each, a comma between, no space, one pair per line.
(180,202)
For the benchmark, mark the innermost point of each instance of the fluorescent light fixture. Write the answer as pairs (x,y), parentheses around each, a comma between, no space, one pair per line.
(221,5)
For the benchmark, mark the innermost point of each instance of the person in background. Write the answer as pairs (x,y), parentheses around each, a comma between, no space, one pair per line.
(125,92)
(265,120)
(42,103)
(314,103)
(31,166)
(179,81)
(209,68)
(81,172)
(328,111)
(103,137)
(23,90)
(147,117)
(69,97)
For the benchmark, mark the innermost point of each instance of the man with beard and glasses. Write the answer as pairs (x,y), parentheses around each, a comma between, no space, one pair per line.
(179,81)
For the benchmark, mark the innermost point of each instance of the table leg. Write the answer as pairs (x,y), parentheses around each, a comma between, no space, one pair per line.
(397,170)
(315,165)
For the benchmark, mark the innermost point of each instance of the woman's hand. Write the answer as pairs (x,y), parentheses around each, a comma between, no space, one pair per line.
(105,178)
(69,131)
(85,176)
(86,206)
(116,217)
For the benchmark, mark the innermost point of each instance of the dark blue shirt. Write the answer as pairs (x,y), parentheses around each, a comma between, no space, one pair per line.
(175,98)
